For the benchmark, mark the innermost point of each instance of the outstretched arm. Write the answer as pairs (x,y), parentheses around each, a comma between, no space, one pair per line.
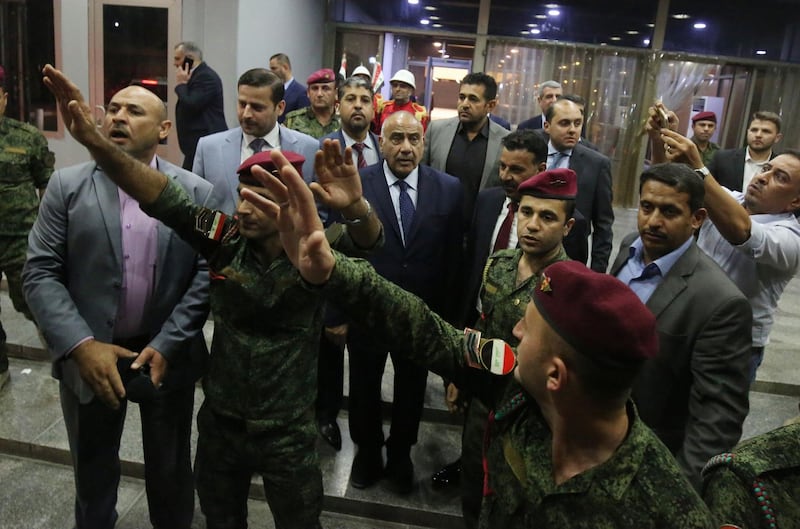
(135,178)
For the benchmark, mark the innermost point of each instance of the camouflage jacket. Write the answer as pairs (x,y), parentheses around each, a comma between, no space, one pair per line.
(304,120)
(758,485)
(263,364)
(641,486)
(707,154)
(26,164)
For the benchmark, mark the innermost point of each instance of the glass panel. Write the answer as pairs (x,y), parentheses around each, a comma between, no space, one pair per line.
(777,92)
(135,49)
(628,23)
(28,44)
(420,14)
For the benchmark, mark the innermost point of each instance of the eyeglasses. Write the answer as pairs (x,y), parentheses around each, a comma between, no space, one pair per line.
(398,138)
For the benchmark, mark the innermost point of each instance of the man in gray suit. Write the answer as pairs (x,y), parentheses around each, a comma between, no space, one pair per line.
(105,282)
(468,146)
(260,103)
(694,394)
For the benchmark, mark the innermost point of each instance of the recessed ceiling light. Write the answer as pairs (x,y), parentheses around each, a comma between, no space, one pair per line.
(535,31)
(508,56)
(424,21)
(533,25)
(436,25)
(604,44)
(615,38)
(433,17)
(514,50)
(646,42)
(650,25)
(551,6)
(445,56)
(554,12)
(632,32)
(700,25)
(577,63)
(413,2)
(681,16)
(540,16)
(437,44)
(525,32)
(761,52)
(430,8)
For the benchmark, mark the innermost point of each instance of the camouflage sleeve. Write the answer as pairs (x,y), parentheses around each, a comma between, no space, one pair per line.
(42,161)
(730,500)
(403,321)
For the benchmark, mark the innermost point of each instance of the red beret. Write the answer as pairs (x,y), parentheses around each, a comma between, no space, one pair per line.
(597,314)
(553,183)
(704,116)
(264,159)
(325,75)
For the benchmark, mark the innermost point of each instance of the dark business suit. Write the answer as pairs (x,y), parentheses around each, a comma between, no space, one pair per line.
(536,122)
(199,111)
(594,201)
(727,166)
(694,394)
(296,96)
(330,375)
(425,267)
(500,121)
(72,282)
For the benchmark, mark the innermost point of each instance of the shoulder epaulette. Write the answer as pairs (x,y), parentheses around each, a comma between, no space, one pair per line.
(747,475)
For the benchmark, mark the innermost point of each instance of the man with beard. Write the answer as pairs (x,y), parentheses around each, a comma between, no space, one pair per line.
(735,168)
(105,282)
(703,126)
(694,393)
(259,104)
(318,118)
(468,146)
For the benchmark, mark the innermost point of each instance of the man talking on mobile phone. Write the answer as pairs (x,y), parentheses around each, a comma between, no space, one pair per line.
(200,110)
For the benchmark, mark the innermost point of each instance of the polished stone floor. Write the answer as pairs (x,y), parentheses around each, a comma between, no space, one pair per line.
(36,480)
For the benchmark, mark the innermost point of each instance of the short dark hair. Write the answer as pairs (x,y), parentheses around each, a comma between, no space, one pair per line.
(259,77)
(527,140)
(792,152)
(680,177)
(551,110)
(354,81)
(282,58)
(601,383)
(487,81)
(191,49)
(575,98)
(765,115)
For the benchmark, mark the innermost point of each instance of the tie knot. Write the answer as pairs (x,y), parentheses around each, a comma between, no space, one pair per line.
(650,270)
(513,206)
(258,144)
(403,185)
(359,147)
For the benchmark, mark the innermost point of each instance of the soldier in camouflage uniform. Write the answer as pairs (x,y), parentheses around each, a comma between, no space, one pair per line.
(319,118)
(758,485)
(26,164)
(565,447)
(258,413)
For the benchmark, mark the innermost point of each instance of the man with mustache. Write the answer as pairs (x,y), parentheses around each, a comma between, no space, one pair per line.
(319,117)
(694,393)
(105,282)
(420,209)
(259,105)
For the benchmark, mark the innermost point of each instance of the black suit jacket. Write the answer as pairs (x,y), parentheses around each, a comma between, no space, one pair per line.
(200,110)
(536,122)
(727,167)
(295,97)
(428,265)
(694,393)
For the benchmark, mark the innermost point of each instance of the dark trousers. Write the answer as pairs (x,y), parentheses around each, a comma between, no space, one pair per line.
(366,371)
(286,458)
(756,357)
(94,432)
(476,417)
(330,378)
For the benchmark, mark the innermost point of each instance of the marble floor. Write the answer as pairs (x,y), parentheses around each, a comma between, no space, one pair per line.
(34,459)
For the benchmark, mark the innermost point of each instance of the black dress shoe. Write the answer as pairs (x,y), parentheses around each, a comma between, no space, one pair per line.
(400,475)
(367,468)
(331,433)
(448,476)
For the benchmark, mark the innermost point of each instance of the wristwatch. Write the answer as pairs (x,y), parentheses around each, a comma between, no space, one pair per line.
(358,220)
(703,172)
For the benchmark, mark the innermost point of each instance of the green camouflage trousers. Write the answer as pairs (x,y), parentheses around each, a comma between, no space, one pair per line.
(12,258)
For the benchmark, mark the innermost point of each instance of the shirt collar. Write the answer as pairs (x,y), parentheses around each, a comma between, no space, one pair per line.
(551,149)
(483,132)
(663,263)
(748,158)
(287,83)
(412,179)
(272,137)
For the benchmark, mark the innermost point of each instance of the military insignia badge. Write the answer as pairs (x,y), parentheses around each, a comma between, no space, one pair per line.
(544,284)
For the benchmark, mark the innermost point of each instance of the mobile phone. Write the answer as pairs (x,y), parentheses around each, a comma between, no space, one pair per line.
(188,61)
(663,117)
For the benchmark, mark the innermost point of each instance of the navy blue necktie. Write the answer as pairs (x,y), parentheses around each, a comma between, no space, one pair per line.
(406,209)
(257,145)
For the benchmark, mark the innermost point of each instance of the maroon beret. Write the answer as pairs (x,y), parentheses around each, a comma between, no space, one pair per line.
(264,159)
(596,314)
(325,75)
(704,116)
(553,183)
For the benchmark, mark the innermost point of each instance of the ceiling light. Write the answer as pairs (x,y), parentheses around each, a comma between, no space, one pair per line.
(433,17)
(761,52)
(632,32)
(437,44)
(615,38)
(514,50)
(533,25)
(413,2)
(436,25)
(646,42)
(508,56)
(540,16)
(650,25)
(551,6)
(681,16)
(424,21)
(577,63)
(502,61)
(445,56)
(430,8)
(554,12)
(700,25)
(524,32)
(535,31)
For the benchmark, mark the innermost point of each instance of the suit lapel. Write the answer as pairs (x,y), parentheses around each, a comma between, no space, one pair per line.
(377,184)
(108,202)
(164,234)
(231,157)
(674,283)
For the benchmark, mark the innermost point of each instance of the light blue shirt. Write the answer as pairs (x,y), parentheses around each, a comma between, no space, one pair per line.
(644,279)
(552,153)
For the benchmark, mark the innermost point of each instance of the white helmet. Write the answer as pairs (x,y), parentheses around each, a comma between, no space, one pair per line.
(404,76)
(362,70)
